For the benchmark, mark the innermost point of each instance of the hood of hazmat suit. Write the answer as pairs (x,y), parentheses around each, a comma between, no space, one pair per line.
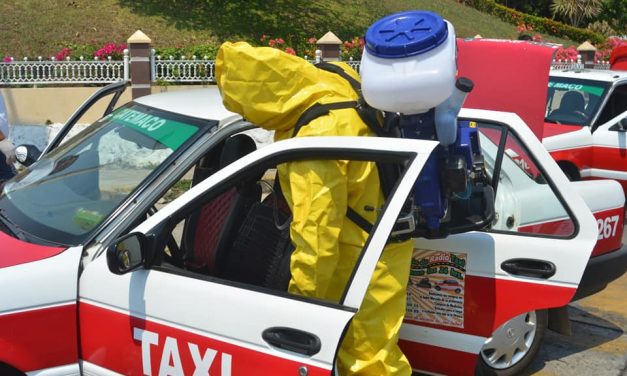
(272,89)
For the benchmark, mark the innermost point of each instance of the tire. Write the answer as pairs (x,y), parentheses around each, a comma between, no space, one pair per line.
(513,345)
(9,371)
(570,170)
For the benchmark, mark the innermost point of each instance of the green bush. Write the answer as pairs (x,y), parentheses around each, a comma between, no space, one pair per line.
(86,51)
(199,51)
(539,24)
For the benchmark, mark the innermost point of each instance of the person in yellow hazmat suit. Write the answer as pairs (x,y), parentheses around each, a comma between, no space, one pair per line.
(272,89)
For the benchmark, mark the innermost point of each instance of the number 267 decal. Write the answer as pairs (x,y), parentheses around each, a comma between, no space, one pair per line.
(607,226)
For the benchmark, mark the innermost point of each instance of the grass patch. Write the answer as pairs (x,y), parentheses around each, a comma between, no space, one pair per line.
(176,190)
(42,27)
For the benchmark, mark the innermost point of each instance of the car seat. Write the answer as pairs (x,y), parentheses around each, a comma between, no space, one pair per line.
(212,228)
(261,252)
(572,108)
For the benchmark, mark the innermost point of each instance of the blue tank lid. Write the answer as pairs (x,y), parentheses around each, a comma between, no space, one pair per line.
(406,34)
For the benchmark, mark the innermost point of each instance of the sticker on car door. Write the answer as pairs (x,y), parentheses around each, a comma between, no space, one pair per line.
(435,292)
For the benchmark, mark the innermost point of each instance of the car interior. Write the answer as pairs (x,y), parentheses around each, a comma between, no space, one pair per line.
(242,235)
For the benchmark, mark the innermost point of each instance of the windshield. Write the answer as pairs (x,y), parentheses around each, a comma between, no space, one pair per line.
(573,101)
(71,190)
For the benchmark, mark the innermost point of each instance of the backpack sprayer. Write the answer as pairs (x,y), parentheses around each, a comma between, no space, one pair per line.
(408,70)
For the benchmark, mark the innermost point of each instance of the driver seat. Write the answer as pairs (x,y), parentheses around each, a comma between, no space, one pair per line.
(210,229)
(572,106)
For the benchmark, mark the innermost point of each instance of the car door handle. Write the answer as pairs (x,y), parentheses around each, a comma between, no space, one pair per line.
(529,268)
(293,340)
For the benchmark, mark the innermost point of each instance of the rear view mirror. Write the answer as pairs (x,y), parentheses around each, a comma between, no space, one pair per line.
(27,154)
(620,126)
(127,253)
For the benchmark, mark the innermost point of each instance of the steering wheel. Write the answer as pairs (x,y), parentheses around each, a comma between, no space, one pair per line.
(582,115)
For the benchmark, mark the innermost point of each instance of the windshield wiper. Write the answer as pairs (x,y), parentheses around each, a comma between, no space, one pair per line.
(12,227)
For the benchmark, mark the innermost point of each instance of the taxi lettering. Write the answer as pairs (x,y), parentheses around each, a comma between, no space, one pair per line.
(139,119)
(170,363)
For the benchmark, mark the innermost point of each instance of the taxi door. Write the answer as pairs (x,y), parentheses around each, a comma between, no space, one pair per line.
(609,142)
(480,298)
(169,318)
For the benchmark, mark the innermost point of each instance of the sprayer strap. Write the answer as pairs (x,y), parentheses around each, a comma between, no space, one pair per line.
(318,110)
(357,219)
(342,73)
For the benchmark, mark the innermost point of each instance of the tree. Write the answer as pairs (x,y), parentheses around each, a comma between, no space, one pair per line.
(615,13)
(576,11)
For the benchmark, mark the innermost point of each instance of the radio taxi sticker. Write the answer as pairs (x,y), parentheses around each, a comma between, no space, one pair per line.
(435,292)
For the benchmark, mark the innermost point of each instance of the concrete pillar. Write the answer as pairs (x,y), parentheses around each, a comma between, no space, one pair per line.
(587,51)
(330,46)
(141,80)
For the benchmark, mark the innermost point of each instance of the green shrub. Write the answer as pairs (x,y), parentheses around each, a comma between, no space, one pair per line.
(540,24)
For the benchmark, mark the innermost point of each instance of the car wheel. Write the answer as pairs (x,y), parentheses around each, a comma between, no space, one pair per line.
(9,371)
(513,345)
(570,170)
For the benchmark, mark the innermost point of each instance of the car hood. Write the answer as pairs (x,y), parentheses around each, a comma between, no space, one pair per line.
(15,252)
(510,76)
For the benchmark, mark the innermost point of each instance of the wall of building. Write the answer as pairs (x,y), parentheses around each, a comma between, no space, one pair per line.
(37,114)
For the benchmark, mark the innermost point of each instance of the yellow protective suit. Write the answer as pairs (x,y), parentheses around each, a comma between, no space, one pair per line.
(272,89)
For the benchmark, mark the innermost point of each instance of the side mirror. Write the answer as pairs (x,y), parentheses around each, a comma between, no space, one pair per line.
(27,154)
(127,254)
(620,126)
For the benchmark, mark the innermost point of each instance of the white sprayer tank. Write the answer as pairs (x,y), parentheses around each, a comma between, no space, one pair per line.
(409,63)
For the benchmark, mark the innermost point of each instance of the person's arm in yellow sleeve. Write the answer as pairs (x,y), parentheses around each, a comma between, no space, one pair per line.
(318,190)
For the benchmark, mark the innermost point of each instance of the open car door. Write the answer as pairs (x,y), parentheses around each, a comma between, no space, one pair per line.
(481,297)
(167,314)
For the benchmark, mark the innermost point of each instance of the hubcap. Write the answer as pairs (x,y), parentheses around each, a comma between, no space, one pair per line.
(510,342)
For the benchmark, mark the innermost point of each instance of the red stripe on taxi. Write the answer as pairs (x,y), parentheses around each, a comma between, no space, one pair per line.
(580,157)
(439,360)
(108,340)
(609,158)
(15,252)
(489,302)
(610,224)
(39,339)
(557,129)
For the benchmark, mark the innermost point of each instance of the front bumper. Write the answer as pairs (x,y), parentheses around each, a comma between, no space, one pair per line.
(600,271)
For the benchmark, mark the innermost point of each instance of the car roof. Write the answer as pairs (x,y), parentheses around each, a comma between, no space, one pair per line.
(205,103)
(591,74)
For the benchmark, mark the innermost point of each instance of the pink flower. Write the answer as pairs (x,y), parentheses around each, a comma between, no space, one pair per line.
(569,53)
(271,42)
(280,41)
(312,40)
(7,59)
(290,51)
(110,49)
(61,55)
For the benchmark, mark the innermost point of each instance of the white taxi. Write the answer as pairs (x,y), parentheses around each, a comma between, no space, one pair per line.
(100,278)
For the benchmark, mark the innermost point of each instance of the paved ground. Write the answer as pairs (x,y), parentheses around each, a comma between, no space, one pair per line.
(598,345)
